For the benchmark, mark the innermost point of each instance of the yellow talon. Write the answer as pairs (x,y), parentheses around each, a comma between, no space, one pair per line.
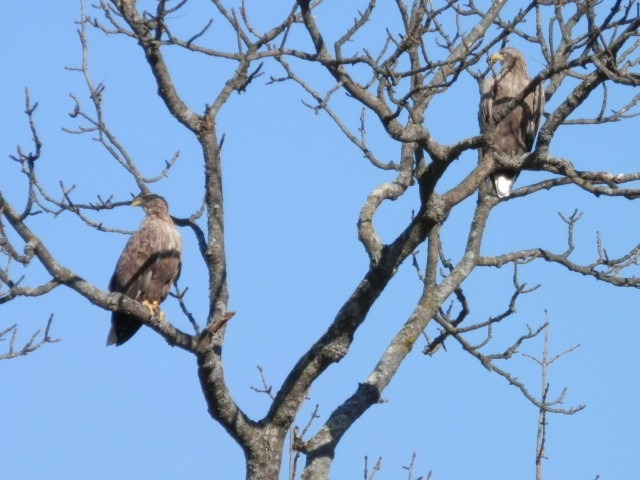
(153,307)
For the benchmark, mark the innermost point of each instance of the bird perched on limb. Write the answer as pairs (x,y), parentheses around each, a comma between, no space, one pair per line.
(148,266)
(514,134)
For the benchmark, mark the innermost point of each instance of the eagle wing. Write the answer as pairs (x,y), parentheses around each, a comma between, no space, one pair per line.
(486,102)
(535,102)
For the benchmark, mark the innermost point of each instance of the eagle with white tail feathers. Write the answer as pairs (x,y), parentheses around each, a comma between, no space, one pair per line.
(515,133)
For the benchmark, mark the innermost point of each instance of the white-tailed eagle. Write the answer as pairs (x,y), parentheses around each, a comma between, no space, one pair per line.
(515,134)
(148,266)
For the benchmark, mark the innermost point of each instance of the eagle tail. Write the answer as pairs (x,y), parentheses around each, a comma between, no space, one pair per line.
(112,338)
(503,183)
(123,327)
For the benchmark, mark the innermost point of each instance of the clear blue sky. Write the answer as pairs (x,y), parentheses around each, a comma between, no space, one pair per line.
(293,190)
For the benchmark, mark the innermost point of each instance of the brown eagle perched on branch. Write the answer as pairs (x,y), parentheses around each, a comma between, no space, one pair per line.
(148,266)
(515,133)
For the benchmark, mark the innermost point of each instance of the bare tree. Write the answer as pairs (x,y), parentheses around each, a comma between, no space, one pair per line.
(588,49)
(545,363)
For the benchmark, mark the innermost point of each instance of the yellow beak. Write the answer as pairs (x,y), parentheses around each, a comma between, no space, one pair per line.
(136,202)
(496,57)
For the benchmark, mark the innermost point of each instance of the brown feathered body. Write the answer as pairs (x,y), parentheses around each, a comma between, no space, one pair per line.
(515,134)
(148,266)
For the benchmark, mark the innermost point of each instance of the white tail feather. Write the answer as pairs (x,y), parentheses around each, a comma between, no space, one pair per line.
(503,184)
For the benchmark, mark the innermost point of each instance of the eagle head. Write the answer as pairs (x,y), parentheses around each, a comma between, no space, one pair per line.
(150,202)
(507,56)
